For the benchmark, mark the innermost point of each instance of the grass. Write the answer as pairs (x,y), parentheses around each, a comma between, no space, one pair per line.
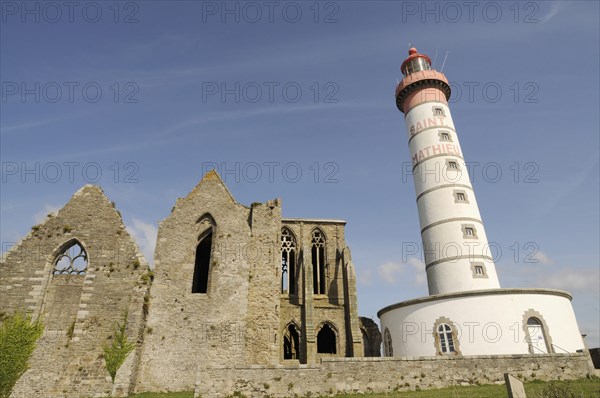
(589,389)
(185,394)
(585,387)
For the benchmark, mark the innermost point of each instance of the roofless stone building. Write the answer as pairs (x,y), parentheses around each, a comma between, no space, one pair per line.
(232,284)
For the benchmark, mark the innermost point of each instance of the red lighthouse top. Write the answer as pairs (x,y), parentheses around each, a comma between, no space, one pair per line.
(415,62)
(419,76)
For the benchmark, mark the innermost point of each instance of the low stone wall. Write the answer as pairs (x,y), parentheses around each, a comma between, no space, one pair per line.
(362,375)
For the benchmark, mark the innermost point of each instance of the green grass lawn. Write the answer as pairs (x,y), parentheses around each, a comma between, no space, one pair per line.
(186,394)
(584,388)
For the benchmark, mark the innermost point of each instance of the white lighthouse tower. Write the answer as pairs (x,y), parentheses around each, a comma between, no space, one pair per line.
(457,253)
(466,312)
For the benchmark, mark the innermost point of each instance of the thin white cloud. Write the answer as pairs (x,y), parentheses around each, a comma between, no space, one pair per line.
(365,277)
(145,235)
(582,280)
(41,215)
(555,8)
(419,270)
(542,258)
(30,124)
(390,271)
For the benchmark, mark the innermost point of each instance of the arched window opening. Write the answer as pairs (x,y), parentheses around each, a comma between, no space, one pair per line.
(387,343)
(445,338)
(73,261)
(537,339)
(291,342)
(326,340)
(318,261)
(288,262)
(202,265)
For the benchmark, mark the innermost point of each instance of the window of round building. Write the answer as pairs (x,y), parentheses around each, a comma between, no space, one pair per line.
(446,340)
(537,336)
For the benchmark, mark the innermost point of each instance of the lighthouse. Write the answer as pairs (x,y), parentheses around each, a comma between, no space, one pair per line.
(456,250)
(466,312)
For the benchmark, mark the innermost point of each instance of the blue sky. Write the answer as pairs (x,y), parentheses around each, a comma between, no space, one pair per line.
(295,100)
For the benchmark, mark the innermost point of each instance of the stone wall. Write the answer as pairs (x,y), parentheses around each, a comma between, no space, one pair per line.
(79,310)
(236,319)
(371,337)
(362,375)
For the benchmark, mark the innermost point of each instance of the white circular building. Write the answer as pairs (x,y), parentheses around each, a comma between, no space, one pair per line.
(466,313)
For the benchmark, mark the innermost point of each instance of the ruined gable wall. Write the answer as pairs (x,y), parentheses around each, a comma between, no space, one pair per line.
(79,311)
(187,330)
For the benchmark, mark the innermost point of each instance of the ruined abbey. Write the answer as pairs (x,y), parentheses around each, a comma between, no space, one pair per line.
(240,300)
(232,285)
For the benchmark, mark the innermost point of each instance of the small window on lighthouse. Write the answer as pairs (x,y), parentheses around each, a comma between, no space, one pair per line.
(469,231)
(445,136)
(453,165)
(479,270)
(460,197)
(438,111)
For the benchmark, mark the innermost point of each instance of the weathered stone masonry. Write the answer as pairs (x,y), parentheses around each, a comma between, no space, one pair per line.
(363,375)
(245,314)
(79,309)
(240,299)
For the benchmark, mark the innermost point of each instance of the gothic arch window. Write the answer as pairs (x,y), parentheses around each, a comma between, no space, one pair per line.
(72,261)
(388,348)
(536,333)
(326,340)
(288,262)
(318,261)
(203,256)
(291,342)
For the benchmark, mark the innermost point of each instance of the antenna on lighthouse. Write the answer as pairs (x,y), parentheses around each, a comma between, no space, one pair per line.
(435,57)
(444,63)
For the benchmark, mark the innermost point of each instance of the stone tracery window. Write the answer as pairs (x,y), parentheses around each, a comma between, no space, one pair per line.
(288,262)
(318,261)
(73,261)
(291,342)
(387,343)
